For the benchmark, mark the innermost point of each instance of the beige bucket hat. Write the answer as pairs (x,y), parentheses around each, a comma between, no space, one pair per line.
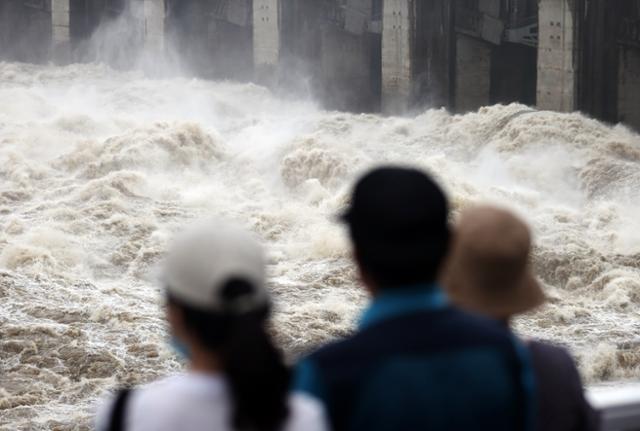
(489,270)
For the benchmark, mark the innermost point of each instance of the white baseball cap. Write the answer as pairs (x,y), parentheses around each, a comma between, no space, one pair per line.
(203,261)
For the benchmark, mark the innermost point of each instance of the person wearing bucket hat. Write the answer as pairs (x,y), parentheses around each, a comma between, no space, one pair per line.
(415,362)
(217,310)
(489,272)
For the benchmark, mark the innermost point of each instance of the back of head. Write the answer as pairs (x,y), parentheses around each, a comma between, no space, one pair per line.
(398,220)
(489,270)
(204,258)
(215,275)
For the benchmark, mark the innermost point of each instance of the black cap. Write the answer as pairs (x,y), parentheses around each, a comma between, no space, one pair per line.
(398,213)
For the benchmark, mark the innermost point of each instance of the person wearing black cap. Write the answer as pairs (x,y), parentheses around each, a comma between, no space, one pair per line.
(218,305)
(416,363)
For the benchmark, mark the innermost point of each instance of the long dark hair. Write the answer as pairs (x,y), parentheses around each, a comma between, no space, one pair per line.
(254,367)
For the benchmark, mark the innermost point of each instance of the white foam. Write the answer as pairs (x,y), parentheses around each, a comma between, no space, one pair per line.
(98,168)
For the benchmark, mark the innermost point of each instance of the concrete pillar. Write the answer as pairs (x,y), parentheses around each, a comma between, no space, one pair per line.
(61,36)
(629,87)
(266,38)
(557,55)
(397,34)
(473,73)
(154,31)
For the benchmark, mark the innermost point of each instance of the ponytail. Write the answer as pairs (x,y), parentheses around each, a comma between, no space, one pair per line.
(255,369)
(257,375)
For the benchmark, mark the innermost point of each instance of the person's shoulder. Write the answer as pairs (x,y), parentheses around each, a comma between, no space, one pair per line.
(549,355)
(549,348)
(107,405)
(306,413)
(557,373)
(449,325)
(357,347)
(158,388)
(148,394)
(335,348)
(170,390)
(167,391)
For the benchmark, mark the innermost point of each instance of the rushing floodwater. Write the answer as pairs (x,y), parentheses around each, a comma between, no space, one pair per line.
(99,168)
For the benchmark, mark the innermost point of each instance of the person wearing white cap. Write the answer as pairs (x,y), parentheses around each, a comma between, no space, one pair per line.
(489,273)
(218,305)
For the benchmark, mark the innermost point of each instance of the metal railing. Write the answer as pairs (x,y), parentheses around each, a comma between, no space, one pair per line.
(619,407)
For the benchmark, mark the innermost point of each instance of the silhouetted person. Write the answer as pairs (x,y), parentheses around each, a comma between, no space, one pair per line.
(416,363)
(489,273)
(217,310)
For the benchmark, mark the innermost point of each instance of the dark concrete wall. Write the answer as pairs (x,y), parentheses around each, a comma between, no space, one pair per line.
(25,30)
(333,50)
(472,73)
(213,37)
(514,66)
(325,53)
(117,43)
(514,74)
(460,60)
(598,66)
(629,87)
(629,65)
(346,76)
(609,68)
(87,15)
(434,48)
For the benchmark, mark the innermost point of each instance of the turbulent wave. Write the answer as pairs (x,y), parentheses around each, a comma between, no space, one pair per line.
(99,168)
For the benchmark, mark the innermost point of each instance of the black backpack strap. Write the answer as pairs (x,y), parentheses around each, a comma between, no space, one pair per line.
(119,410)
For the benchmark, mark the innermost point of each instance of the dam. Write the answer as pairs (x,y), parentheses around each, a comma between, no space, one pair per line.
(123,120)
(393,56)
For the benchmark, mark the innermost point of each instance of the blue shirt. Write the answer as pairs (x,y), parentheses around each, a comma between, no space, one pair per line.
(418,363)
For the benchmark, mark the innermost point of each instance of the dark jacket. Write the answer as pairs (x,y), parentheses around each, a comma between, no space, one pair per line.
(561,405)
(419,364)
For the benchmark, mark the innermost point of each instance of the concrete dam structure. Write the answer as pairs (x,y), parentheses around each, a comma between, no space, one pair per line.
(371,55)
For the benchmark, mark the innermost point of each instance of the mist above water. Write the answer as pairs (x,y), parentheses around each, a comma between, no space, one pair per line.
(99,168)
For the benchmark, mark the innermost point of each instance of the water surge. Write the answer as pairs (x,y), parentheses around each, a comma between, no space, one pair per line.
(98,169)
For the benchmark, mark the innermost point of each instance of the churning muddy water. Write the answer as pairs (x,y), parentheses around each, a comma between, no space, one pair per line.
(99,168)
